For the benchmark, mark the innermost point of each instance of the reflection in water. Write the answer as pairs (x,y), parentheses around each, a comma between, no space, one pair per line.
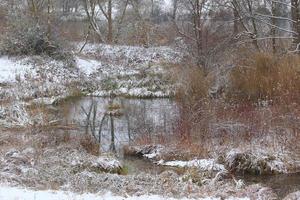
(121,121)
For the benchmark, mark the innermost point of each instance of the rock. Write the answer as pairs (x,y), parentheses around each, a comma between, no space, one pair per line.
(293,196)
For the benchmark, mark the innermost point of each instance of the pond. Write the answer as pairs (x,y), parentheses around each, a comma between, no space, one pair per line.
(121,121)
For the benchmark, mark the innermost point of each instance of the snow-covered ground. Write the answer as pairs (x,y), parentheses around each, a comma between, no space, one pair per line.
(100,70)
(8,193)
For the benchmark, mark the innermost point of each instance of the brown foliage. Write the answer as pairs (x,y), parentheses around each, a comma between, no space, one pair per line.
(265,77)
(90,145)
(191,98)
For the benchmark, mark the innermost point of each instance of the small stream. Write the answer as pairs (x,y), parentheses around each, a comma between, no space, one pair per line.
(145,121)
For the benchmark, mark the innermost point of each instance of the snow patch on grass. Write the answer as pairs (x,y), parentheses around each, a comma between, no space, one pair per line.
(10,69)
(202,164)
(87,66)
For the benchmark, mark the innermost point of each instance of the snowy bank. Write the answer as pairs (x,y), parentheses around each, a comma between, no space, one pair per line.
(128,70)
(8,193)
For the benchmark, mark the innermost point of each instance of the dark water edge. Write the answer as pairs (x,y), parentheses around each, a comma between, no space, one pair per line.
(281,184)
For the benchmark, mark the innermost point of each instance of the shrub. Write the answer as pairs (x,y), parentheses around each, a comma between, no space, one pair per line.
(90,145)
(191,99)
(265,77)
(27,38)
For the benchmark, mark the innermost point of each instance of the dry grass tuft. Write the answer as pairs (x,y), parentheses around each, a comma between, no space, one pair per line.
(90,145)
(191,97)
(265,77)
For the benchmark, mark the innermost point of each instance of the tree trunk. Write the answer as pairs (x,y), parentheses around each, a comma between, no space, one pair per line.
(48,19)
(255,32)
(110,23)
(175,7)
(235,22)
(273,29)
(296,24)
(112,132)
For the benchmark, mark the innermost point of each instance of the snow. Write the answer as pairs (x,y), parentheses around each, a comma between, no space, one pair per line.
(10,69)
(202,164)
(87,66)
(9,193)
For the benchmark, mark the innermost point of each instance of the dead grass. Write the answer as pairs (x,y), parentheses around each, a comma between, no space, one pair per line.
(191,97)
(210,126)
(90,145)
(265,77)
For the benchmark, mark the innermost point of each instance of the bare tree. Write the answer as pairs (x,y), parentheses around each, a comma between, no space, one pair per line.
(296,23)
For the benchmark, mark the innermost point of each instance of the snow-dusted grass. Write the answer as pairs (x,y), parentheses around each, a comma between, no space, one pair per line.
(131,54)
(258,161)
(128,70)
(14,115)
(100,70)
